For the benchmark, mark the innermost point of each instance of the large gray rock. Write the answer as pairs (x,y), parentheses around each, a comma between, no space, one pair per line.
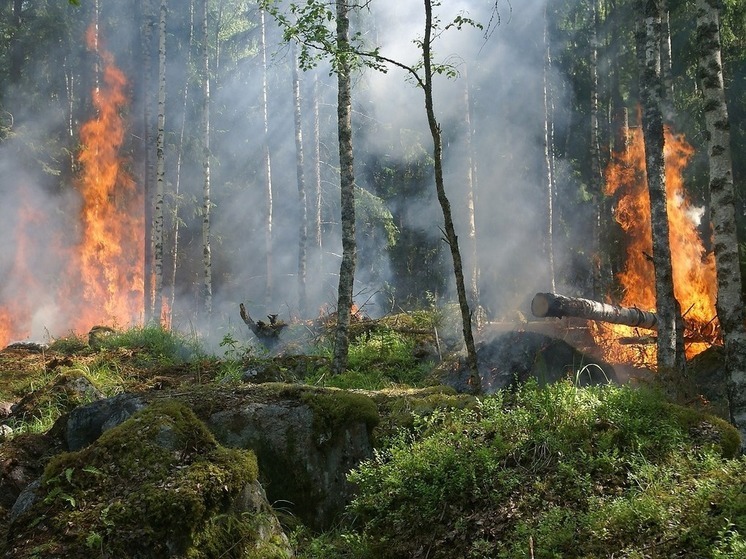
(306,440)
(158,485)
(303,457)
(514,357)
(85,424)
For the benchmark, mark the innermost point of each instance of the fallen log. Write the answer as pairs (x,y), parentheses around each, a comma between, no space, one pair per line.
(559,306)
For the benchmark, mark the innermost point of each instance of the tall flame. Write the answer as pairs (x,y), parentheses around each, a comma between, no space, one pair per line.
(695,285)
(64,285)
(110,249)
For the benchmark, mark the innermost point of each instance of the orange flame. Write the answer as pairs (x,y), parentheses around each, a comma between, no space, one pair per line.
(110,249)
(102,279)
(695,284)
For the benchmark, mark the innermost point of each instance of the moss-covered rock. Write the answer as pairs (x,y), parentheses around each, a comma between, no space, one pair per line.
(306,439)
(158,485)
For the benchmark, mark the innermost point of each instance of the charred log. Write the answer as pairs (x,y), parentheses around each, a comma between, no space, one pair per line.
(267,332)
(551,304)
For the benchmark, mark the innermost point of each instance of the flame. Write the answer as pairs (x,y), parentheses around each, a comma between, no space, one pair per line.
(695,285)
(67,285)
(112,225)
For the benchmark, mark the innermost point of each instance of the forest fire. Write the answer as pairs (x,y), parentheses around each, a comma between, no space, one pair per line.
(109,255)
(97,276)
(695,284)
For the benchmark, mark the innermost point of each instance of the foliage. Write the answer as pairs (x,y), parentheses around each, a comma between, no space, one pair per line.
(377,359)
(579,472)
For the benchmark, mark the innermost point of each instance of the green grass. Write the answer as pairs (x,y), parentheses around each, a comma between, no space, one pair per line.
(379,359)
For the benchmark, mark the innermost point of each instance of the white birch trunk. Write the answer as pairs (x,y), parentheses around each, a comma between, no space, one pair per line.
(160,170)
(206,199)
(176,220)
(722,193)
(268,240)
(302,202)
(549,241)
(670,349)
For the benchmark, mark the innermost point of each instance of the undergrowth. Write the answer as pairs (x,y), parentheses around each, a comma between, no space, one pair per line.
(550,472)
(377,359)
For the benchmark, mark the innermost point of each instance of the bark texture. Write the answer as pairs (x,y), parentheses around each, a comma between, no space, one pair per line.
(206,198)
(302,203)
(559,306)
(729,301)
(160,170)
(670,348)
(268,212)
(445,205)
(347,190)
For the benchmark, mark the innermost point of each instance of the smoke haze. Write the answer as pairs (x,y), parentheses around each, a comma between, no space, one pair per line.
(502,68)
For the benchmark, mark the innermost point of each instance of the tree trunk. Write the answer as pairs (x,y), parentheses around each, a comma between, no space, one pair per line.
(595,153)
(176,220)
(148,163)
(302,202)
(347,192)
(318,239)
(548,166)
(471,179)
(267,160)
(160,171)
(666,63)
(450,230)
(559,306)
(729,301)
(670,349)
(206,200)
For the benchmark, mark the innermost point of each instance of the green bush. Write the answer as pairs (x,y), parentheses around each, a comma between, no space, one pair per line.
(562,471)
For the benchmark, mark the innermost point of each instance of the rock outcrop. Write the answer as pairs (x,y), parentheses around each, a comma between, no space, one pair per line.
(157,485)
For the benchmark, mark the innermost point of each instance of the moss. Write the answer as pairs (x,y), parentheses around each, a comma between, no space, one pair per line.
(333,409)
(708,429)
(148,486)
(398,408)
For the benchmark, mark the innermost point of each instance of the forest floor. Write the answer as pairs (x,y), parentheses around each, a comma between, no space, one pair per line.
(623,470)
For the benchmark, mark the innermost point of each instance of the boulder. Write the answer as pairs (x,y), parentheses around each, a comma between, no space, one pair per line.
(306,439)
(87,423)
(514,357)
(157,485)
(306,443)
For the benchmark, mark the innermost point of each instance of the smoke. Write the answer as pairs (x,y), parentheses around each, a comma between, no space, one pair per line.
(502,69)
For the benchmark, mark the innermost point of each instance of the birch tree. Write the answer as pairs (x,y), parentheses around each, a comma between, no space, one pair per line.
(670,348)
(300,175)
(346,187)
(722,192)
(206,199)
(160,169)
(548,164)
(267,163)
(146,43)
(176,200)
